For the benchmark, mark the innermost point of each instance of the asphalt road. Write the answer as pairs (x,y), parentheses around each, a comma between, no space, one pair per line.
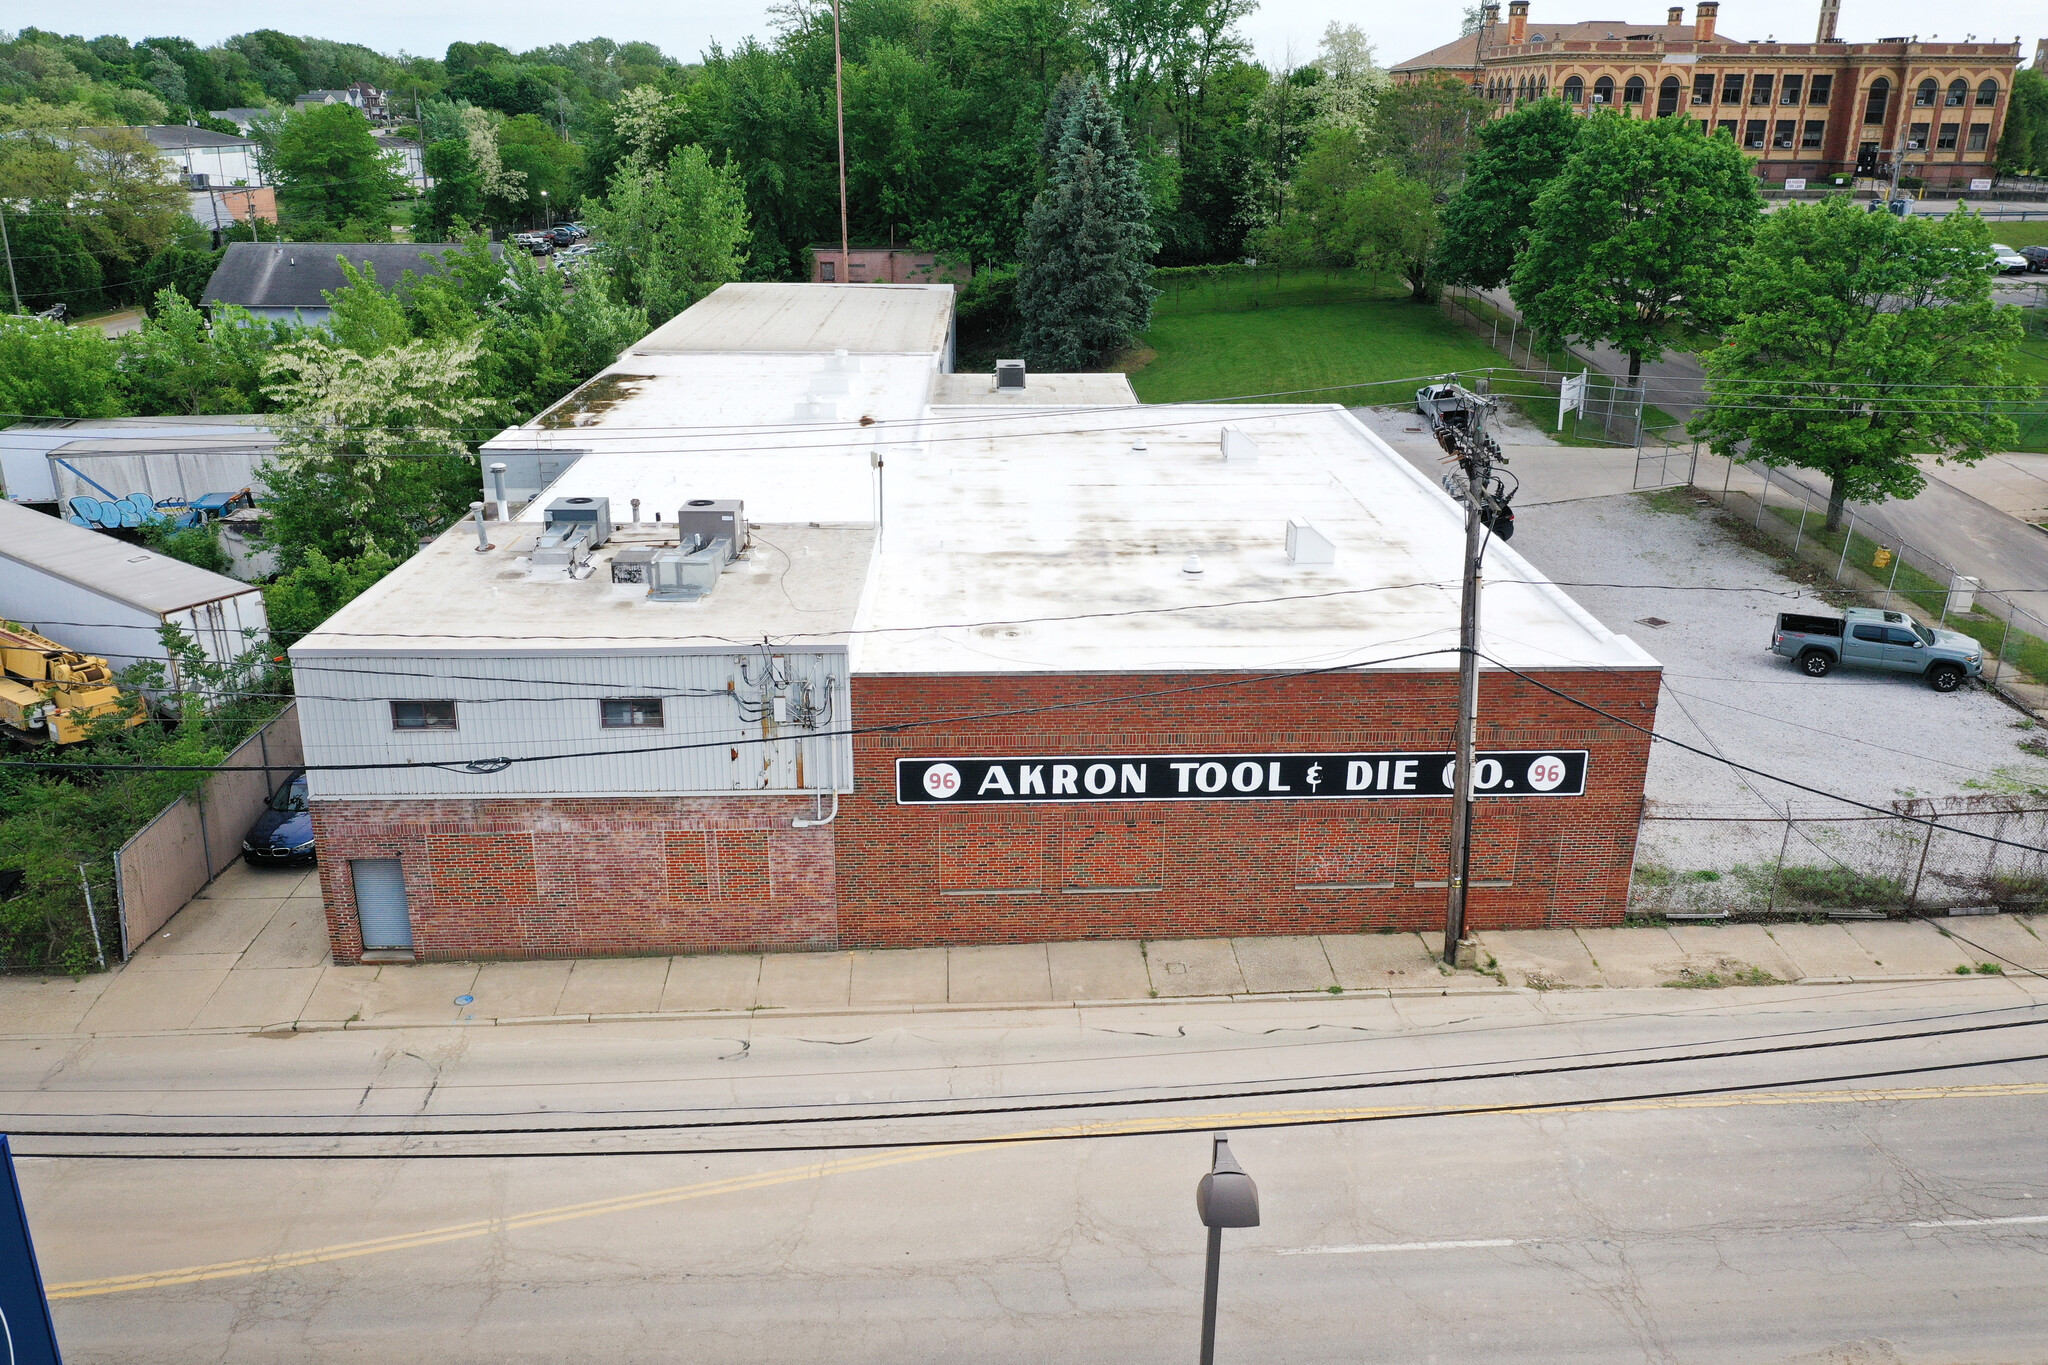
(1803,1221)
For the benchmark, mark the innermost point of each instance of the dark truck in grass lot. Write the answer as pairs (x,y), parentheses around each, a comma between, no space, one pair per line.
(1866,637)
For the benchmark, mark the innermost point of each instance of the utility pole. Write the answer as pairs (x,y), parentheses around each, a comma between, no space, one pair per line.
(13,285)
(839,101)
(1459,422)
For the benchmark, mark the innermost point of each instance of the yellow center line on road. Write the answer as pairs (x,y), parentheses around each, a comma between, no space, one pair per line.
(869,1161)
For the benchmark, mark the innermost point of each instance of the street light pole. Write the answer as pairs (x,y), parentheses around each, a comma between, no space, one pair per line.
(1226,1198)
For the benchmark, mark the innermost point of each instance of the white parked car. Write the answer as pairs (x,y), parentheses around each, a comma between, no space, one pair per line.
(2008,261)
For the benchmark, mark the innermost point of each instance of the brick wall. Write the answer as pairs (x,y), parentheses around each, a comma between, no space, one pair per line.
(560,878)
(917,875)
(586,878)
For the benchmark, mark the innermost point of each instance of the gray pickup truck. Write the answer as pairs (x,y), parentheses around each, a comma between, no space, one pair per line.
(1866,637)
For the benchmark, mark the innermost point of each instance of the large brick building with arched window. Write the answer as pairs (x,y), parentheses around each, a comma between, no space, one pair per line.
(1803,110)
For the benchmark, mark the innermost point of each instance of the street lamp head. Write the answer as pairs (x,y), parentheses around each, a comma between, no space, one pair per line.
(1227,1198)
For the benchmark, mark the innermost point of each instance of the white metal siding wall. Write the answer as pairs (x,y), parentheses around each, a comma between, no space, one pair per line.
(186,474)
(223,628)
(55,607)
(548,703)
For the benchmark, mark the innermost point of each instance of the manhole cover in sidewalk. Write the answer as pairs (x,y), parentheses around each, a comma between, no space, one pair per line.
(1651,621)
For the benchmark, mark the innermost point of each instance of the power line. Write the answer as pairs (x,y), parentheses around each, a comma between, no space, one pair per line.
(991,1111)
(1162,1126)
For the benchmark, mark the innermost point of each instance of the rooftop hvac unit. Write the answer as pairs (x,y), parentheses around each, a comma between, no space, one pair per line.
(1009,376)
(595,513)
(711,519)
(686,575)
(634,565)
(562,545)
(198,180)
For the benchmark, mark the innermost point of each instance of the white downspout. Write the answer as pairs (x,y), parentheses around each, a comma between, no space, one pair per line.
(815,821)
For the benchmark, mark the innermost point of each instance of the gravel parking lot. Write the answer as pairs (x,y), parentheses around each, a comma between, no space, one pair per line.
(1873,736)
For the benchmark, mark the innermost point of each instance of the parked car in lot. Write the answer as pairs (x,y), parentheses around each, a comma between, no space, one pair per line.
(1866,637)
(539,243)
(566,234)
(2008,261)
(2037,258)
(283,835)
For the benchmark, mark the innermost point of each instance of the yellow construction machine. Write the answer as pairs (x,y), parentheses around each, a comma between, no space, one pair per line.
(48,693)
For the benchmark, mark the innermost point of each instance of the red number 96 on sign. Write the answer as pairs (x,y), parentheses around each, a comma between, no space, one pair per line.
(942,780)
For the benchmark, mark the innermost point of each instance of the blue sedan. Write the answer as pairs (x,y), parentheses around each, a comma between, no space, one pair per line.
(284,834)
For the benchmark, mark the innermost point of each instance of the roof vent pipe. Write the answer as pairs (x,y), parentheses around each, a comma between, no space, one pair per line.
(483,532)
(1192,566)
(636,511)
(498,491)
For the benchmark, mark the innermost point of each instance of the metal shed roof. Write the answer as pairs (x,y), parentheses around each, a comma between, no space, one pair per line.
(299,274)
(110,567)
(867,319)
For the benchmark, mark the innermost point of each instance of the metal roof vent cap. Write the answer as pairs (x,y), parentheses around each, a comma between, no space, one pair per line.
(1192,566)
(1307,545)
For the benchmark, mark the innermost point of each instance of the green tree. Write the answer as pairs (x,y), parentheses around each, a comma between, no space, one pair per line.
(1393,225)
(1317,226)
(1637,236)
(457,197)
(331,174)
(672,235)
(1864,340)
(90,201)
(372,450)
(179,365)
(2023,146)
(1427,129)
(1488,218)
(50,370)
(296,603)
(1084,288)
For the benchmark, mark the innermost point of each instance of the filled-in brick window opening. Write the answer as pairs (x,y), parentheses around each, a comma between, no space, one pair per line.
(631,713)
(423,715)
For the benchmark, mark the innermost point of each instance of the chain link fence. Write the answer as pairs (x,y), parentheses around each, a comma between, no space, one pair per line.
(1923,856)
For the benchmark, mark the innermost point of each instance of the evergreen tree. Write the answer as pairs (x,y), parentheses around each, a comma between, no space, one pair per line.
(1084,290)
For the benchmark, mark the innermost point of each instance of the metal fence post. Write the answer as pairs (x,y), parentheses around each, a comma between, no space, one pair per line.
(1763,498)
(1913,900)
(1847,536)
(1771,898)
(1998,662)
(1898,556)
(92,917)
(1800,534)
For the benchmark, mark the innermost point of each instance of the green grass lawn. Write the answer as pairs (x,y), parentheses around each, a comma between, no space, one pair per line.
(1296,330)
(2027,232)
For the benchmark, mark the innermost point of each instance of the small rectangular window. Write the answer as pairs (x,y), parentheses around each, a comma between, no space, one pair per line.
(1814,130)
(1788,92)
(1783,136)
(630,713)
(1753,135)
(1980,136)
(1726,125)
(1760,89)
(1731,88)
(423,715)
(1820,90)
(1947,140)
(1703,89)
(1916,138)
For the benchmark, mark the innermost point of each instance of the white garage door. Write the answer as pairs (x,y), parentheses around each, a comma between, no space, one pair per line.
(380,904)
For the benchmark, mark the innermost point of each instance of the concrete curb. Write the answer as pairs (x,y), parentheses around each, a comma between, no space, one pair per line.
(286,1028)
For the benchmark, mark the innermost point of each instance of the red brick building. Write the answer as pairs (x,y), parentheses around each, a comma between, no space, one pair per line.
(967,666)
(880,265)
(1803,109)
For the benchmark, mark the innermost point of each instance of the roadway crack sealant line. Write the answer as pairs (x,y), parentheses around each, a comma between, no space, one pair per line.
(648,1199)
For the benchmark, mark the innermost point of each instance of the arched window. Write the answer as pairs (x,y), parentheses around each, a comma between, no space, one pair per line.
(1923,98)
(1987,94)
(1603,90)
(1574,90)
(1880,96)
(1958,94)
(1667,97)
(1632,93)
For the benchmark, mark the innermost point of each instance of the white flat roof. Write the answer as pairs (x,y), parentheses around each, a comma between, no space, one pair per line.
(798,581)
(1061,545)
(872,319)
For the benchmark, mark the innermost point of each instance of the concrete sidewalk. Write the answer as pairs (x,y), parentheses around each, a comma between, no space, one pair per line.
(250,955)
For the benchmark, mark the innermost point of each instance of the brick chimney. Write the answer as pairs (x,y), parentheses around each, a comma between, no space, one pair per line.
(1707,11)
(1518,20)
(1830,10)
(1675,16)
